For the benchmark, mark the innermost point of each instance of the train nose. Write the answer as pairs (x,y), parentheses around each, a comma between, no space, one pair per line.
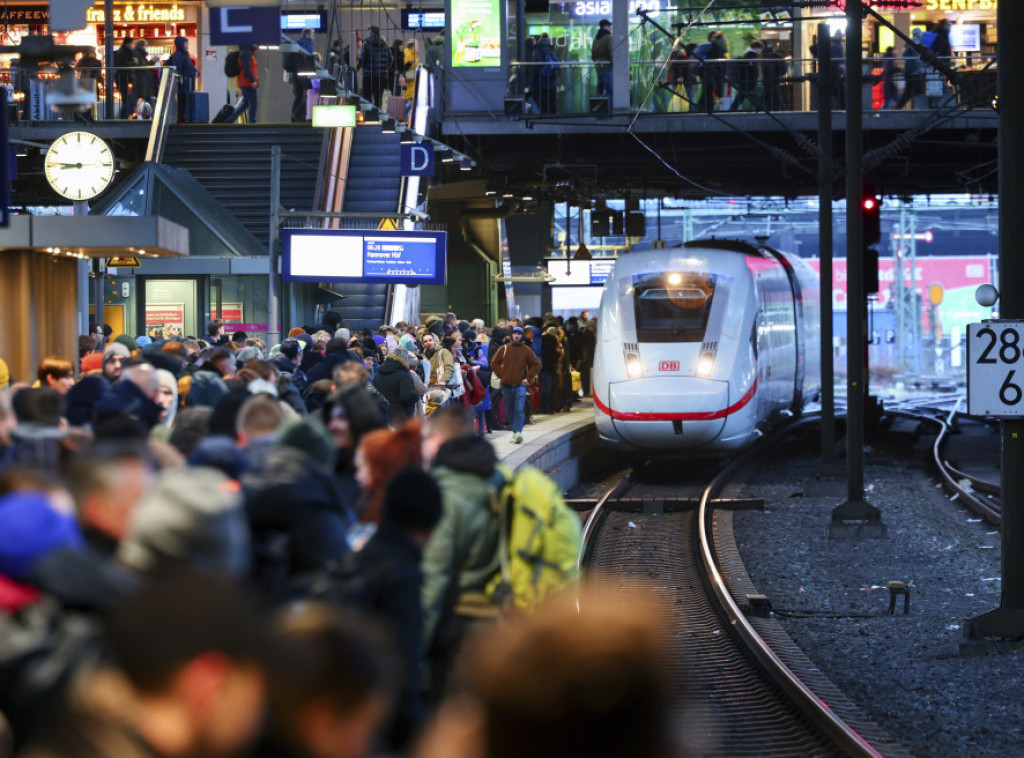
(686,410)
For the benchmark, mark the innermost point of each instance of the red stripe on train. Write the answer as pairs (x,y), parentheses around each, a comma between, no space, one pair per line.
(697,416)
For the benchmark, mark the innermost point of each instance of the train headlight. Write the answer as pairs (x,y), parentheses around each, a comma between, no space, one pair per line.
(706,364)
(634,369)
(675,279)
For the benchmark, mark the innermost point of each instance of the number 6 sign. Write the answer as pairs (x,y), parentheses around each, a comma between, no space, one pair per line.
(995,369)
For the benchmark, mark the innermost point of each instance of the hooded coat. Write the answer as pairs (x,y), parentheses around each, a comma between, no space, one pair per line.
(395,383)
(462,555)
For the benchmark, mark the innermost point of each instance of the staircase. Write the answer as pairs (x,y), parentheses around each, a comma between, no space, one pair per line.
(374,186)
(232,161)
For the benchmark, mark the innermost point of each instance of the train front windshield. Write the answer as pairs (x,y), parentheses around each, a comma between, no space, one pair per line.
(673,307)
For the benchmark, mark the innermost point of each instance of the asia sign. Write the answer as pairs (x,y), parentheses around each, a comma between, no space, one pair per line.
(476,33)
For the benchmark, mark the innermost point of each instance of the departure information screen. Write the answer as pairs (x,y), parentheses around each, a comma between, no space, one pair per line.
(373,257)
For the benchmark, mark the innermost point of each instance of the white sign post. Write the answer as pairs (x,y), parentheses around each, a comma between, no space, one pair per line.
(995,369)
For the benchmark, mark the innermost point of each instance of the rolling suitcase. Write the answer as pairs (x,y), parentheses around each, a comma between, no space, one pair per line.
(199,107)
(224,115)
(396,107)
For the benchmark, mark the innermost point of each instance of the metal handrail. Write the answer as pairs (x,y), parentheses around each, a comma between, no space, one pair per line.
(575,81)
(166,105)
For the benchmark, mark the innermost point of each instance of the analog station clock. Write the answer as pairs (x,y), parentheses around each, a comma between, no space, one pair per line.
(79,165)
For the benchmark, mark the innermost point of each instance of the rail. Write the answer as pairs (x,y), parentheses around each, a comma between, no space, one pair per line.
(852,743)
(678,549)
(164,114)
(748,85)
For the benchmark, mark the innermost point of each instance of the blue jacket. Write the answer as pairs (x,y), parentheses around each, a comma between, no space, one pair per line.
(375,56)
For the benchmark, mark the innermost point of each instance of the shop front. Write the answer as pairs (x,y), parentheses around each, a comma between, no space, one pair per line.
(183,306)
(155,22)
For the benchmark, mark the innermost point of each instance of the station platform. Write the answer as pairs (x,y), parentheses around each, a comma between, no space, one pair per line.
(554,443)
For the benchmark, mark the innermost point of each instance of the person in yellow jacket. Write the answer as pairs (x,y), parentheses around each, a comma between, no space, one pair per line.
(412,62)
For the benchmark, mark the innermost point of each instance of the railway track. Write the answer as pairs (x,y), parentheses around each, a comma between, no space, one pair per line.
(738,694)
(977,492)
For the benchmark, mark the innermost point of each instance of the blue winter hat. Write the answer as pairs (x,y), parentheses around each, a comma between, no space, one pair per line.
(143,341)
(519,329)
(30,528)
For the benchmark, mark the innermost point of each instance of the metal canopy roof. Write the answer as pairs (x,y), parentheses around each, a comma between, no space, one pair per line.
(92,237)
(155,189)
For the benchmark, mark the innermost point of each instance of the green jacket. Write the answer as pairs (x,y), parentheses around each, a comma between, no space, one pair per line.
(462,555)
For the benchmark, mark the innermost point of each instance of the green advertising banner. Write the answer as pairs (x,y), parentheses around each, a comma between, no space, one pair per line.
(476,33)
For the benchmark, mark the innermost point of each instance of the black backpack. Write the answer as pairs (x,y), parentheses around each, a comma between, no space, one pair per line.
(291,62)
(232,64)
(342,581)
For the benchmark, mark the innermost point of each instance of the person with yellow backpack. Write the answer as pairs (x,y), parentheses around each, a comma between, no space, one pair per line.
(505,542)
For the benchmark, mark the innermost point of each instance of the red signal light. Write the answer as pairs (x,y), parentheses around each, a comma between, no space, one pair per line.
(869,203)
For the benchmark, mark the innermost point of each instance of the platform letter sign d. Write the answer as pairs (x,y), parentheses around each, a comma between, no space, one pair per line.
(417,160)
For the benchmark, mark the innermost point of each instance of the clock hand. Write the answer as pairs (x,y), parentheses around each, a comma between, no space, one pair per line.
(69,165)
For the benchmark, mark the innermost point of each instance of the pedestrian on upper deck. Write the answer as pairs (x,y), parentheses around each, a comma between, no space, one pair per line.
(374,60)
(183,66)
(601,55)
(249,78)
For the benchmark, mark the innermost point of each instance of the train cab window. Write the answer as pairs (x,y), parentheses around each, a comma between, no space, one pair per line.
(673,308)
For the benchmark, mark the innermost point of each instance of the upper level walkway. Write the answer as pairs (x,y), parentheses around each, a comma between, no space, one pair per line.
(730,127)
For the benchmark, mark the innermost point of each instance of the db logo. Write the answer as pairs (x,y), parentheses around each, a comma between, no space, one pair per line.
(668,366)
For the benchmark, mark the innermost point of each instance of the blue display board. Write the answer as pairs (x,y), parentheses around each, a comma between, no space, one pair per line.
(373,257)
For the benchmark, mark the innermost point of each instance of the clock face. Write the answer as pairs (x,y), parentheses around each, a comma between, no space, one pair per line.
(79,165)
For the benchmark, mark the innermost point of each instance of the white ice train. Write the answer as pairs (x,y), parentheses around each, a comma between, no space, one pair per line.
(703,346)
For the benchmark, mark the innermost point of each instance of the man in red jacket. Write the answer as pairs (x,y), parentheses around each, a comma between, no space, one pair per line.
(248,77)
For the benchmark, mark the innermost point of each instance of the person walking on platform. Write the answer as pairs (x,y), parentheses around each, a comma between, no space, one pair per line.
(462,555)
(374,60)
(517,367)
(601,55)
(123,62)
(294,63)
(183,66)
(249,78)
(716,48)
(890,69)
(913,72)
(144,81)
(745,78)
(548,65)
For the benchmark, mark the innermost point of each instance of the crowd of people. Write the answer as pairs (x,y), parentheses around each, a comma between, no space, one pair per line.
(707,76)
(209,548)
(135,75)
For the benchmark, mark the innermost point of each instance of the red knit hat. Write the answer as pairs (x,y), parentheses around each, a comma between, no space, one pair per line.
(92,362)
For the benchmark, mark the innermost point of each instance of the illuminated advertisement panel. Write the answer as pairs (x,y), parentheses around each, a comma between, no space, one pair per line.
(476,33)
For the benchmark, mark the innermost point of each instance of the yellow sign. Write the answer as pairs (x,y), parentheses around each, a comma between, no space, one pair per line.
(935,293)
(123,262)
(134,14)
(951,6)
(387,225)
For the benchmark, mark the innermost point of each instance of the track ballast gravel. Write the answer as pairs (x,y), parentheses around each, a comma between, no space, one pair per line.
(906,672)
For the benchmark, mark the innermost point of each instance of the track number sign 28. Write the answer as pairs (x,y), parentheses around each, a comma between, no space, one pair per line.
(995,373)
